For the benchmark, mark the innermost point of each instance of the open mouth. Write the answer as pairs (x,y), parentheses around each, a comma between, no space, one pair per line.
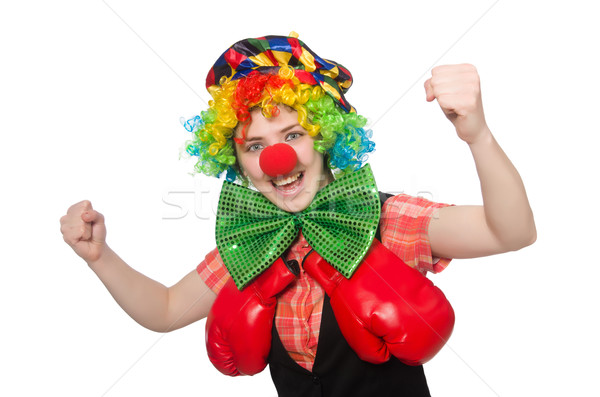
(288,184)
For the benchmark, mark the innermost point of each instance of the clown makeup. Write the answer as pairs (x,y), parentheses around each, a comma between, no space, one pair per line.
(295,190)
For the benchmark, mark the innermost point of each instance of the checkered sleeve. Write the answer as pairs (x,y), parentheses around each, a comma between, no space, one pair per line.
(213,272)
(404,230)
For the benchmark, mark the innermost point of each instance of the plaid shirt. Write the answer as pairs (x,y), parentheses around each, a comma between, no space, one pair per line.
(403,227)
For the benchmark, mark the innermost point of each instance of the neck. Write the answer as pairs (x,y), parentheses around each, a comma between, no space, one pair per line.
(327,179)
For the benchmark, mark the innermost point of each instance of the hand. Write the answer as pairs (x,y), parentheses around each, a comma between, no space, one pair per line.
(457,90)
(83,229)
(386,308)
(238,327)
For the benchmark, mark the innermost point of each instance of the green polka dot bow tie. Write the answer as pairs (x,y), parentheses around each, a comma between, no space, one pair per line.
(339,224)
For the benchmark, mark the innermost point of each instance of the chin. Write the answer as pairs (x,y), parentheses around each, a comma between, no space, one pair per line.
(295,204)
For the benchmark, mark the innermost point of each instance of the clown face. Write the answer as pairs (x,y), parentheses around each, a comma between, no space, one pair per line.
(295,190)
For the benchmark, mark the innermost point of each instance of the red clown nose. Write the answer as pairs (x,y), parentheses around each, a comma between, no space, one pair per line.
(278,159)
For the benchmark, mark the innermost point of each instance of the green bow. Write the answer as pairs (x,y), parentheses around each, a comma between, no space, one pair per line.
(340,224)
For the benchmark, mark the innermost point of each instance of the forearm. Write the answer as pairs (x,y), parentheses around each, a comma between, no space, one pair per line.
(505,222)
(506,207)
(145,300)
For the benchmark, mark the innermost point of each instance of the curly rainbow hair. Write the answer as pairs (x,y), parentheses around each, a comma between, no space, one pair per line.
(322,110)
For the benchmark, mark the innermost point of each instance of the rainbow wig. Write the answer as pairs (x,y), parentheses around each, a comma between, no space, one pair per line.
(267,72)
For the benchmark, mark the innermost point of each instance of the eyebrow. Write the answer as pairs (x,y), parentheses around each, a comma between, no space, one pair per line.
(282,131)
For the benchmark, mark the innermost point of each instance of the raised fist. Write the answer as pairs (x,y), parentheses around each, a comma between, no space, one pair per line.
(458,92)
(83,229)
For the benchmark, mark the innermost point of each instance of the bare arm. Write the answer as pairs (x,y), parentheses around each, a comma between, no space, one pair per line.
(148,302)
(505,221)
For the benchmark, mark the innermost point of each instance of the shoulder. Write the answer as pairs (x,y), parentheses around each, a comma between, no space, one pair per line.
(213,272)
(407,205)
(404,228)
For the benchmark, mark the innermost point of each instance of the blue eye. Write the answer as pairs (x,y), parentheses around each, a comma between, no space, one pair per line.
(292,136)
(255,147)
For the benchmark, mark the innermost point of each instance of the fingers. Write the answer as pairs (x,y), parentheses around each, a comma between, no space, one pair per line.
(96,222)
(429,95)
(83,229)
(84,205)
(76,225)
(456,88)
(92,216)
(452,80)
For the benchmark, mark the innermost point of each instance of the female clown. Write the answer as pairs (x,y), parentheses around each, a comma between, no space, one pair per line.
(315,273)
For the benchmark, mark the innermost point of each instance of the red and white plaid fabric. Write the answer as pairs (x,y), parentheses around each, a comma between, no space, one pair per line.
(403,227)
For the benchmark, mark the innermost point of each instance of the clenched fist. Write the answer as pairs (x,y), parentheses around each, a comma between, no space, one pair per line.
(83,229)
(457,90)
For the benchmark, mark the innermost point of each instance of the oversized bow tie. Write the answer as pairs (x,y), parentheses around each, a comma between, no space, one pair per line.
(339,224)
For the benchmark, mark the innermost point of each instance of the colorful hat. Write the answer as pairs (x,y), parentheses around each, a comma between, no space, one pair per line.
(267,54)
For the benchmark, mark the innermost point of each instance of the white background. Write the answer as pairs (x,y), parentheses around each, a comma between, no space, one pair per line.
(91,93)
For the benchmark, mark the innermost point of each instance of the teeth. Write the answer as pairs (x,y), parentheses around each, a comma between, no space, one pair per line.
(287,180)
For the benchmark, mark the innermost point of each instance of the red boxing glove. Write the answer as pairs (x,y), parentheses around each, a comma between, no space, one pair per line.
(238,327)
(386,307)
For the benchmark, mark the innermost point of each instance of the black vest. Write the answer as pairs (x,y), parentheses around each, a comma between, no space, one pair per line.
(338,371)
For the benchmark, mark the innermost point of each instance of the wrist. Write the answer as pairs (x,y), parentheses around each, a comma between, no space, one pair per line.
(105,253)
(483,137)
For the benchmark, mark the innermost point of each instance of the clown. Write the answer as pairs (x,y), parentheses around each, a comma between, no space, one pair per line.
(315,273)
